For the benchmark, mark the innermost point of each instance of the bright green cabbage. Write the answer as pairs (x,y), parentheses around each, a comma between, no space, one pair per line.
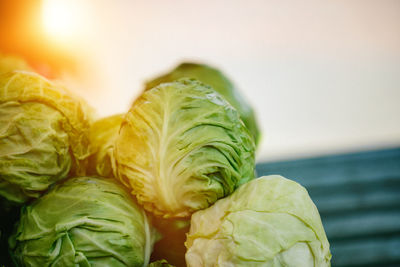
(220,83)
(44,135)
(86,221)
(181,147)
(270,221)
(103,134)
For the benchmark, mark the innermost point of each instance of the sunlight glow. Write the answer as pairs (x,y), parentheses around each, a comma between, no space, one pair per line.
(62,19)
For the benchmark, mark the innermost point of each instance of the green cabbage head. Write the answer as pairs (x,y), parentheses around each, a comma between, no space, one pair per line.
(83,222)
(181,147)
(270,221)
(44,135)
(216,79)
(103,134)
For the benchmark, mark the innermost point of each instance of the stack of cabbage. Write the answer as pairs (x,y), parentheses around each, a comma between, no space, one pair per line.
(171,181)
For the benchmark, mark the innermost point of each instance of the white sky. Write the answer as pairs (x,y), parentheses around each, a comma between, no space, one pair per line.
(323,76)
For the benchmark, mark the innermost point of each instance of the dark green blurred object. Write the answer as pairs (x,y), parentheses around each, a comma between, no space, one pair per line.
(171,246)
(220,83)
(9,213)
(160,263)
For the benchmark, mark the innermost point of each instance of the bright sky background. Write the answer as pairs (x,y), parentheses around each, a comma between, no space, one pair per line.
(323,76)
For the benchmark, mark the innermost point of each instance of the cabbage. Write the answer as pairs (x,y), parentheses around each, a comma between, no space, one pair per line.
(181,147)
(103,134)
(270,221)
(34,149)
(11,63)
(83,222)
(44,135)
(220,83)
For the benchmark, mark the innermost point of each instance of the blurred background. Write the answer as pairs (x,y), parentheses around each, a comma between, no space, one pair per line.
(322,76)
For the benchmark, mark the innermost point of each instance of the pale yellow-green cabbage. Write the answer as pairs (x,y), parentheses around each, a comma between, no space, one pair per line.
(44,135)
(103,134)
(270,221)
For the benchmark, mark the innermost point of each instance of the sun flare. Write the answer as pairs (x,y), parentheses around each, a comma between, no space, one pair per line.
(62,18)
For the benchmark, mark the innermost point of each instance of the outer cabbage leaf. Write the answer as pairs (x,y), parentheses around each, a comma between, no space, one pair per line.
(270,221)
(181,147)
(220,83)
(103,134)
(44,135)
(83,222)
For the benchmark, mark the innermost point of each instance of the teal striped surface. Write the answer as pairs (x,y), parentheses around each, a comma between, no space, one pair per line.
(358,196)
